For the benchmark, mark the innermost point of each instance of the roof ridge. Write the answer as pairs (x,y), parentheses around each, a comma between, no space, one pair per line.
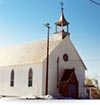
(35,41)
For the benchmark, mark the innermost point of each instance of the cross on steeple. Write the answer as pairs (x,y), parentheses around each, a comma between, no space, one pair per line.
(62,22)
(62,4)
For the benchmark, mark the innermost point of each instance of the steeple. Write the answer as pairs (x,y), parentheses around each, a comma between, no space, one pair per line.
(62,22)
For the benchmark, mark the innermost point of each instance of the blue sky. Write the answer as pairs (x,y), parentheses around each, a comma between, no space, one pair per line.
(21,21)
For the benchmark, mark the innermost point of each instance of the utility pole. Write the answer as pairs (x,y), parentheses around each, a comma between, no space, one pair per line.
(47,62)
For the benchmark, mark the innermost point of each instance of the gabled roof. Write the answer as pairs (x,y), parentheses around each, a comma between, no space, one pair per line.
(78,56)
(67,74)
(26,54)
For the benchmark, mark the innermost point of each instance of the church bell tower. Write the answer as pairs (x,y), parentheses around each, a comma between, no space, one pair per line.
(63,24)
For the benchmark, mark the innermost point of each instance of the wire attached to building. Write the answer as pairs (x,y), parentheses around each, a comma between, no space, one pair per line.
(95,2)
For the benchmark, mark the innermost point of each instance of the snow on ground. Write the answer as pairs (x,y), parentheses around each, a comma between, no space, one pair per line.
(9,101)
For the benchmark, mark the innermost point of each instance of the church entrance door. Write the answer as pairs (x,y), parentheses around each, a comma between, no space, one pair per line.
(69,84)
(72,90)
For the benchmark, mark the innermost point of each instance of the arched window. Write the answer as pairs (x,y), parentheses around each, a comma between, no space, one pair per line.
(30,77)
(12,78)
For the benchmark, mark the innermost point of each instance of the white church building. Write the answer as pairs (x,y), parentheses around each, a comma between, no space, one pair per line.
(23,67)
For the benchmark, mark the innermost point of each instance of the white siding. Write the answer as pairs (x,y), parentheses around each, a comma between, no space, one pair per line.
(74,62)
(81,80)
(21,80)
(39,73)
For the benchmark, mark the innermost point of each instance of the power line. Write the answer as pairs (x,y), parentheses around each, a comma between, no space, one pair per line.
(90,60)
(87,60)
(95,2)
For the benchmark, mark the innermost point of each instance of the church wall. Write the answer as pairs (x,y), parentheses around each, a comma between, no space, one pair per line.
(52,77)
(21,80)
(74,62)
(81,80)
